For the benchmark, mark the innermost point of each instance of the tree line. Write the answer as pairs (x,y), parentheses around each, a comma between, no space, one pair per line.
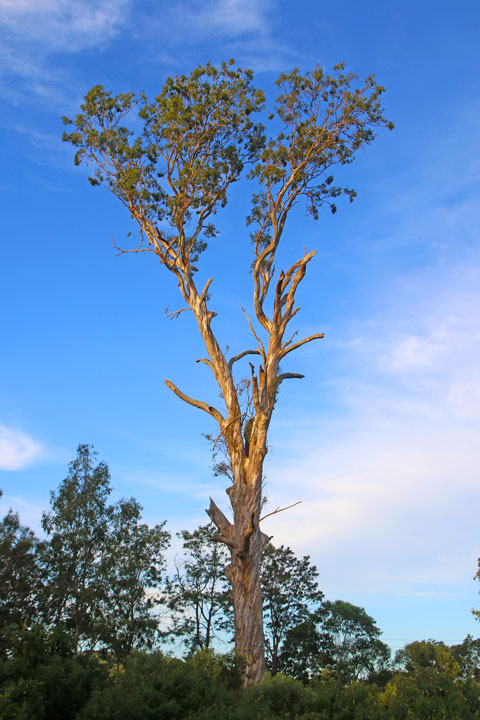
(100,574)
(94,595)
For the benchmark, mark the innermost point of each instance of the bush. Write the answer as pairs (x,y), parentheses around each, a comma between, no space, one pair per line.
(155,687)
(43,680)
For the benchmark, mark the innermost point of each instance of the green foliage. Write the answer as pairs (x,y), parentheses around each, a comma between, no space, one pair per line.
(154,687)
(197,136)
(101,562)
(78,528)
(132,571)
(42,679)
(427,656)
(325,120)
(351,645)
(199,596)
(467,655)
(302,656)
(22,577)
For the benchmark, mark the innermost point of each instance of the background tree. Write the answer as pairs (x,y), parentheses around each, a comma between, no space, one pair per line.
(77,526)
(131,571)
(22,577)
(197,137)
(198,594)
(103,564)
(351,645)
(290,597)
(427,657)
(302,654)
(467,655)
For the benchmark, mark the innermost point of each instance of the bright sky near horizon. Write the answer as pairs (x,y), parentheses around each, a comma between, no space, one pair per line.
(380,441)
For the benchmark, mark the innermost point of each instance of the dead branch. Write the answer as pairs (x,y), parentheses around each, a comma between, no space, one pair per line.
(260,343)
(206,361)
(288,376)
(174,315)
(205,290)
(220,521)
(138,249)
(279,510)
(197,403)
(240,356)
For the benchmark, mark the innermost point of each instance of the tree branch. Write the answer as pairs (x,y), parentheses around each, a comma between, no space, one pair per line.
(286,350)
(206,361)
(279,510)
(221,522)
(288,376)
(197,403)
(205,290)
(174,315)
(240,356)
(260,343)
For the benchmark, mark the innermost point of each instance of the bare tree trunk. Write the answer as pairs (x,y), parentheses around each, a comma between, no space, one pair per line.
(246,543)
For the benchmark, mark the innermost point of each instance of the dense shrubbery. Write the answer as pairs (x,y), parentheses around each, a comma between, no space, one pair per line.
(44,680)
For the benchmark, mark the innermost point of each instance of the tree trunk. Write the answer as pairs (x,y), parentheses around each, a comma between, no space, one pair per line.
(246,543)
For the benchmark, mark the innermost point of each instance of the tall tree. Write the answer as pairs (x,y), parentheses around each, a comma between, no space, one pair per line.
(197,137)
(198,593)
(290,597)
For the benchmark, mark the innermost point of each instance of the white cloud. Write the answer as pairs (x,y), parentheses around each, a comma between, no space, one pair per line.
(17,449)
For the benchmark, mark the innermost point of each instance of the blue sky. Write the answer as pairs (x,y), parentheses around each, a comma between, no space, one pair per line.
(381,440)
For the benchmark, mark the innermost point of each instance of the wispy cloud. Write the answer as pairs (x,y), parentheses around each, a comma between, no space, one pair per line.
(17,449)
(34,32)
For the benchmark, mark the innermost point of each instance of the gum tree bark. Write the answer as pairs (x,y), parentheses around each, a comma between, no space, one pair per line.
(198,135)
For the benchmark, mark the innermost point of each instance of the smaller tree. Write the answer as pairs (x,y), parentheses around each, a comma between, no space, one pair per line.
(78,528)
(132,572)
(351,645)
(302,651)
(198,594)
(290,597)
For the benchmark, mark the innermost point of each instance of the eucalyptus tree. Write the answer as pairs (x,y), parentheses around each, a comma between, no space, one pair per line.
(198,136)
